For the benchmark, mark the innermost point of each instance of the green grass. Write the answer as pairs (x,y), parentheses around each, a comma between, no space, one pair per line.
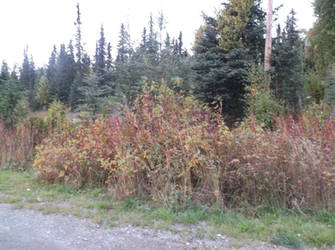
(286,238)
(281,227)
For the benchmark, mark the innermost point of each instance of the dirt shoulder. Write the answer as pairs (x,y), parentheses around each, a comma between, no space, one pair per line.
(28,229)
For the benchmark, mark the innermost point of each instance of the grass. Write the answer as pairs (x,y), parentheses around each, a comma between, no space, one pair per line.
(286,238)
(282,227)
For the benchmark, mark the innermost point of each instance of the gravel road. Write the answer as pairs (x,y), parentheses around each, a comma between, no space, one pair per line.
(25,229)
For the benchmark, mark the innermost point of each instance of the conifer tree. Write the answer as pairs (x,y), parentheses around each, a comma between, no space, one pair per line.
(10,95)
(161,27)
(27,77)
(4,74)
(64,75)
(43,91)
(124,49)
(79,45)
(225,47)
(109,61)
(152,44)
(100,58)
(74,97)
(287,63)
(322,37)
(13,74)
(51,72)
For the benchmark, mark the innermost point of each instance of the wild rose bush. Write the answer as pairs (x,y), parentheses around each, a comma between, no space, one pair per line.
(169,144)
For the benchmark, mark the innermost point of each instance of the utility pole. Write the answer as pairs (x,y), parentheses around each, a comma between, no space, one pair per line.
(268,45)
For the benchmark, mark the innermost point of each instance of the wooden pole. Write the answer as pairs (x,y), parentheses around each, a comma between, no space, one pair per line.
(268,45)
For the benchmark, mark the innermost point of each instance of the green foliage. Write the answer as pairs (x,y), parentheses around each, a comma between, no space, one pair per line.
(56,115)
(330,91)
(223,55)
(285,238)
(64,75)
(315,87)
(263,106)
(10,95)
(152,61)
(94,93)
(124,49)
(28,77)
(287,62)
(260,103)
(43,91)
(100,57)
(22,111)
(321,111)
(4,74)
(241,26)
(322,36)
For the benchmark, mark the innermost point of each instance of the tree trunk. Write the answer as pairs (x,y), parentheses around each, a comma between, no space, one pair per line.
(268,45)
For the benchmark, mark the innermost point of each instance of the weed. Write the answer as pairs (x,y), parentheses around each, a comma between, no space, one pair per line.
(105,205)
(173,151)
(285,238)
(130,204)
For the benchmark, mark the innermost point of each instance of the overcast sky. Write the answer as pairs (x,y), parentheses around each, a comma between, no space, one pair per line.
(42,23)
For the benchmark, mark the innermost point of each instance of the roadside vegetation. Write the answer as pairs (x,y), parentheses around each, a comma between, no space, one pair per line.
(172,161)
(287,227)
(200,144)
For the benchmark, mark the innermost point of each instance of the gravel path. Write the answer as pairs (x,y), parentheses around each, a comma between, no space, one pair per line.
(31,230)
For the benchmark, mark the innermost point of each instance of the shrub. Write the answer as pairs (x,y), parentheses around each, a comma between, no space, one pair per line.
(320,112)
(169,144)
(260,102)
(315,87)
(291,167)
(264,107)
(56,120)
(17,144)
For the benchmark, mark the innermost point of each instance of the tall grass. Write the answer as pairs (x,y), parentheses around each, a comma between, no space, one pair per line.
(17,144)
(172,147)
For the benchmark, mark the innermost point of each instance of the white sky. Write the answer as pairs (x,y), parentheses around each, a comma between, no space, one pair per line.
(42,23)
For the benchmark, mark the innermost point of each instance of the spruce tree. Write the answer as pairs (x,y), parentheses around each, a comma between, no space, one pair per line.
(64,75)
(287,63)
(109,61)
(152,43)
(79,45)
(74,97)
(10,95)
(27,77)
(4,74)
(225,48)
(93,93)
(100,58)
(161,27)
(51,72)
(124,49)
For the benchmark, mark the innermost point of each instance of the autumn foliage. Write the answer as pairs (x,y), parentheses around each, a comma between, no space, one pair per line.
(168,144)
(17,144)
